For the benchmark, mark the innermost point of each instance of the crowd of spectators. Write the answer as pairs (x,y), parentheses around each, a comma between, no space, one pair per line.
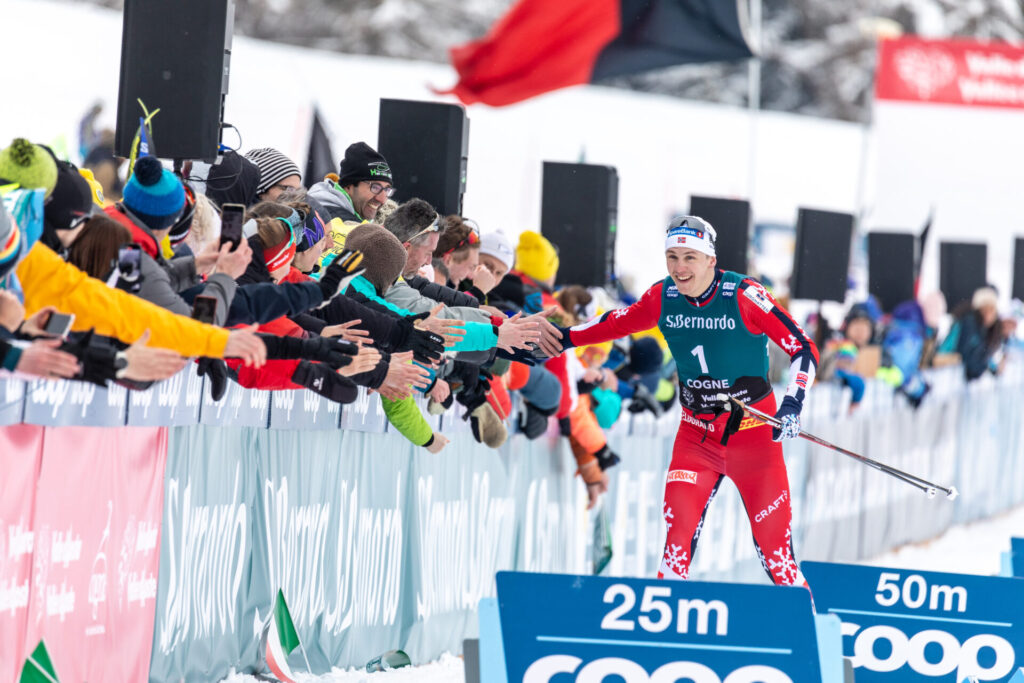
(331,289)
(896,347)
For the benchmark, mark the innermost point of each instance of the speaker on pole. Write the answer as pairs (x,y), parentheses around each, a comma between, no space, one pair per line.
(962,270)
(1018,268)
(427,147)
(822,256)
(175,57)
(891,258)
(731,220)
(579,213)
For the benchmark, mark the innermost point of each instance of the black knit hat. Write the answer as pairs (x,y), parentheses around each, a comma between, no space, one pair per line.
(362,162)
(71,199)
(233,181)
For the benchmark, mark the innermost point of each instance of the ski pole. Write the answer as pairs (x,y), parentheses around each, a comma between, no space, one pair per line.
(928,487)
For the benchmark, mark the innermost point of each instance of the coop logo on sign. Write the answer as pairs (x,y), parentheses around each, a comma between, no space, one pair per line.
(546,669)
(931,652)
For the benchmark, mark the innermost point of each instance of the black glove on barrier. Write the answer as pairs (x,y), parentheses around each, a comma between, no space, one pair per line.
(336,353)
(320,379)
(606,458)
(216,370)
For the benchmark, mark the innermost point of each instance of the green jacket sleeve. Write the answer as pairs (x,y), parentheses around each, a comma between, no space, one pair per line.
(406,417)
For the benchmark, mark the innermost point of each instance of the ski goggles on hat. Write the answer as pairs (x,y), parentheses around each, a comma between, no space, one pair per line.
(691,232)
(282,254)
(473,238)
(433,227)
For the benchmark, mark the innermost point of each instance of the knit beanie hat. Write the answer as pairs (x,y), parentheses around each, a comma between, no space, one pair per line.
(29,165)
(274,167)
(10,243)
(72,199)
(496,244)
(536,256)
(383,255)
(154,194)
(362,162)
(645,356)
(233,181)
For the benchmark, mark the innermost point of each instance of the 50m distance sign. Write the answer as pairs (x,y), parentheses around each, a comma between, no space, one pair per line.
(907,625)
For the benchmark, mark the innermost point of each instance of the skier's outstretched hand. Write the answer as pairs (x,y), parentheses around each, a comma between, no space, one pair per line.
(789,415)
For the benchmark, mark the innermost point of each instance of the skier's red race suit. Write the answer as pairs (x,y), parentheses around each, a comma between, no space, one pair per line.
(719,343)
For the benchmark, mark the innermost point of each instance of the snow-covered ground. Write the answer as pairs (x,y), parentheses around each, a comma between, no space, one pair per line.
(968,549)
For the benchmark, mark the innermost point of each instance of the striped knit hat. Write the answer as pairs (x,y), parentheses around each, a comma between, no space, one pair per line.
(274,167)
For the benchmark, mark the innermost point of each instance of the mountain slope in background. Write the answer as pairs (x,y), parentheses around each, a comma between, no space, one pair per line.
(818,55)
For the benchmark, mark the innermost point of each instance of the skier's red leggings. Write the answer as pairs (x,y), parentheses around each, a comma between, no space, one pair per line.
(754,463)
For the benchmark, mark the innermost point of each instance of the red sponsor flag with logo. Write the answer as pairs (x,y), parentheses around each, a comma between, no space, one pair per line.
(957,72)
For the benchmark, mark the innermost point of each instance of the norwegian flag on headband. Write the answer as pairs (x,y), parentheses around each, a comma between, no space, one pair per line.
(543,45)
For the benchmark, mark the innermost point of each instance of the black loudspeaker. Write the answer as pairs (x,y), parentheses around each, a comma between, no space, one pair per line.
(962,269)
(1018,268)
(731,220)
(175,57)
(427,147)
(891,258)
(579,214)
(822,256)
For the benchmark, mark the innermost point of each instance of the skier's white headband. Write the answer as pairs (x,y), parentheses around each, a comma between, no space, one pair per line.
(691,232)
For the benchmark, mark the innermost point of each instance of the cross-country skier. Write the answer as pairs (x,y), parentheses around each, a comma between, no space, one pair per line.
(717,325)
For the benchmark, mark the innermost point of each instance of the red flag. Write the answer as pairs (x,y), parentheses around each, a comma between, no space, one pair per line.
(538,46)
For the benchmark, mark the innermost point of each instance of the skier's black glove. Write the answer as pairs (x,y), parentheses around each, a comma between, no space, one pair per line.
(320,379)
(342,271)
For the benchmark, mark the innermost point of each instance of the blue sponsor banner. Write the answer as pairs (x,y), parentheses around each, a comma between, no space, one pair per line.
(12,400)
(62,403)
(239,407)
(303,409)
(365,414)
(1017,557)
(173,402)
(588,628)
(909,625)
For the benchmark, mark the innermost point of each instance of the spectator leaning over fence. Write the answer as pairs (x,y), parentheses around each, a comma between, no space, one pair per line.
(717,325)
(45,280)
(976,333)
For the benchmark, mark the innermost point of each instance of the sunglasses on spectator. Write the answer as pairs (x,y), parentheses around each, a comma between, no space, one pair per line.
(377,188)
(433,227)
(469,240)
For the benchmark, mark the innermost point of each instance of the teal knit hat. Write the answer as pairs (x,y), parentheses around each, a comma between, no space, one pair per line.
(29,165)
(153,191)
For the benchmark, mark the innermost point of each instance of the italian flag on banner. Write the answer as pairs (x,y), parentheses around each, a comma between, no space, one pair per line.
(38,667)
(279,639)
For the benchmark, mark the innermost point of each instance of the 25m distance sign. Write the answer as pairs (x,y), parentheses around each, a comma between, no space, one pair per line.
(906,625)
(558,628)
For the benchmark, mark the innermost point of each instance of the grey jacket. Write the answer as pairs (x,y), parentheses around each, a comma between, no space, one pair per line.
(337,204)
(158,287)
